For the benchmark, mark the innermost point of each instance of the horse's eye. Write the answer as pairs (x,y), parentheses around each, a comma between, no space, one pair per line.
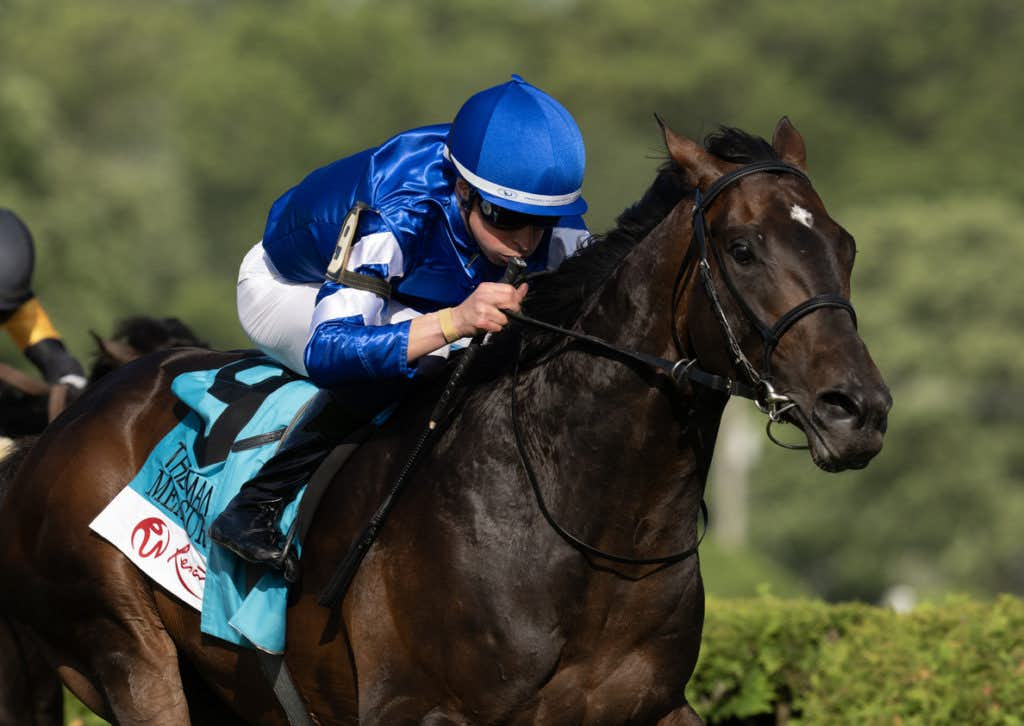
(741,252)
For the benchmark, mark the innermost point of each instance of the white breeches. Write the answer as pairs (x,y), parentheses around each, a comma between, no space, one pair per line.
(275,313)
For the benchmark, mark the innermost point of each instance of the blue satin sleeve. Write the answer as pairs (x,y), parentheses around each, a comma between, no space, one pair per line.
(345,350)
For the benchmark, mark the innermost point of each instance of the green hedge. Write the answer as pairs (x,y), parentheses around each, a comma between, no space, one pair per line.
(769,660)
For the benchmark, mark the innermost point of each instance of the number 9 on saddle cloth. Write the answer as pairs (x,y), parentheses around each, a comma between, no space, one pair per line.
(235,419)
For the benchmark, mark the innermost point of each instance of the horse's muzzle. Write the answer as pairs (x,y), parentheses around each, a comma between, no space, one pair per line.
(847,425)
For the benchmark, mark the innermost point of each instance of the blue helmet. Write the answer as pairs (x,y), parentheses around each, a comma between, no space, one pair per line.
(521,149)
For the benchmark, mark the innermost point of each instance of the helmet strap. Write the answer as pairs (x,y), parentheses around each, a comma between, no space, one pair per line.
(466,204)
(469,201)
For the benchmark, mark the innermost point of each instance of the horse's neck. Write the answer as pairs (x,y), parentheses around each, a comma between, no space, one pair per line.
(632,444)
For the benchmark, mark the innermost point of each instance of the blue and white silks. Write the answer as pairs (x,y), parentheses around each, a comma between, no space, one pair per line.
(415,238)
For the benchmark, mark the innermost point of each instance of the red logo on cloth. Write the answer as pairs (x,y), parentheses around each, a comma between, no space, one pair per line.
(151,537)
(191,575)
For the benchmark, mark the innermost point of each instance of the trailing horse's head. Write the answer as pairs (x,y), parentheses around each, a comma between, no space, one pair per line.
(770,302)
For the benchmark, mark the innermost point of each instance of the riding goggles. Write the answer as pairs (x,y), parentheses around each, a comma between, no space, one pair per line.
(507,219)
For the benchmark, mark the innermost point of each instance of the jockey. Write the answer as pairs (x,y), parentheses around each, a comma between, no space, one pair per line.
(433,216)
(21,313)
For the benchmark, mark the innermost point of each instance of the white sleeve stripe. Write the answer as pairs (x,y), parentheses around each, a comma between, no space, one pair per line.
(379,248)
(346,303)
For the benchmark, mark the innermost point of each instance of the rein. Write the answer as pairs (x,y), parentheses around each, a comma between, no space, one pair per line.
(22,381)
(566,534)
(679,370)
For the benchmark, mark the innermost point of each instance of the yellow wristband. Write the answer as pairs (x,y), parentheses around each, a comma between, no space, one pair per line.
(444,316)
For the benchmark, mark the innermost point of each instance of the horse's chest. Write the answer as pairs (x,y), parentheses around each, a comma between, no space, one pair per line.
(599,655)
(511,624)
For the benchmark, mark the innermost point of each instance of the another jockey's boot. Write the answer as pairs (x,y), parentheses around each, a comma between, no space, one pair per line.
(249,525)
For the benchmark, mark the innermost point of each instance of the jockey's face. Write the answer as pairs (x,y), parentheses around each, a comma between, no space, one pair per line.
(496,243)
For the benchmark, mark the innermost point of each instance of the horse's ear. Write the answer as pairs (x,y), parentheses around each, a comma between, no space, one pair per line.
(789,144)
(117,351)
(701,167)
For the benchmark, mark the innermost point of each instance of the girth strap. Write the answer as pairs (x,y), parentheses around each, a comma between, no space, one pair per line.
(277,674)
(273,665)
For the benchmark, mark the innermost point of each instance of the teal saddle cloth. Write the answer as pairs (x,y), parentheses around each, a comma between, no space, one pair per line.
(237,416)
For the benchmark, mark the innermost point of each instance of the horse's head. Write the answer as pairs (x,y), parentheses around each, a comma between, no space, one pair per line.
(780,267)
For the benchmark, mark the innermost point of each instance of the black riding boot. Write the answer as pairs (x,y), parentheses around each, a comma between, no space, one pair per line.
(249,525)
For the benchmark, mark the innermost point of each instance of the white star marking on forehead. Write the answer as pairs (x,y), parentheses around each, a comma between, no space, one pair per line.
(801,215)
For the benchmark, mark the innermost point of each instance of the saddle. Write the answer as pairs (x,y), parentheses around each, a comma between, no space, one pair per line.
(234,417)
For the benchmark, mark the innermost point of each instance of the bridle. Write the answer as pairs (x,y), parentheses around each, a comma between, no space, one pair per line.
(768,400)
(759,387)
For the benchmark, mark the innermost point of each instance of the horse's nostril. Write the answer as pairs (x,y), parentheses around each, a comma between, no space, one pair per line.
(836,406)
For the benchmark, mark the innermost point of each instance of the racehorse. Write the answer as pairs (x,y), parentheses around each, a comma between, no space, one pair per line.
(30,692)
(540,566)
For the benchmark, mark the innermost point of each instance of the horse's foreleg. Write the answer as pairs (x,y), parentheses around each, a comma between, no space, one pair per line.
(113,650)
(124,669)
(684,716)
(137,672)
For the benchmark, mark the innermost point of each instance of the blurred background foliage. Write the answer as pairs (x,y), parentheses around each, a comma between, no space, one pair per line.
(143,143)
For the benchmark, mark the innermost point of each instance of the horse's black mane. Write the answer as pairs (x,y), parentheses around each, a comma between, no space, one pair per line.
(559,297)
(146,334)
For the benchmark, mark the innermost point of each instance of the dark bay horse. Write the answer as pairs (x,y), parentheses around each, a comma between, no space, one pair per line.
(471,608)
(30,692)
